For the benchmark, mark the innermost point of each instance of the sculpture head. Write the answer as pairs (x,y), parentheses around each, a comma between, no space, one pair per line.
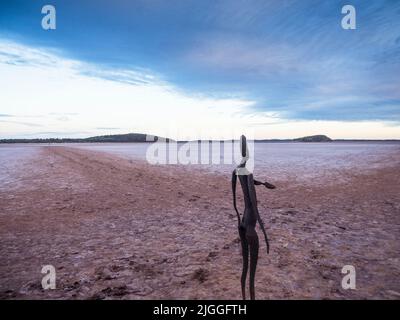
(244,150)
(243,145)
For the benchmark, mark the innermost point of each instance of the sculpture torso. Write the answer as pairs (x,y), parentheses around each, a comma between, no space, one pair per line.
(250,215)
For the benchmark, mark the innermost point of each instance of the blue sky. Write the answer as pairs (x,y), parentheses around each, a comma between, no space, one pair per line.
(288,64)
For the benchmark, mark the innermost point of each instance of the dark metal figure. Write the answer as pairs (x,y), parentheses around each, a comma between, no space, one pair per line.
(247,224)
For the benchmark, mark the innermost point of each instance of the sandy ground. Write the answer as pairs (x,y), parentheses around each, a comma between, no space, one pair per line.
(121,229)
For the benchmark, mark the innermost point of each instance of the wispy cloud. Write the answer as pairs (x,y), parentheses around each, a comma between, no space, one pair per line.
(76,94)
(107,128)
(294,58)
(28,124)
(131,77)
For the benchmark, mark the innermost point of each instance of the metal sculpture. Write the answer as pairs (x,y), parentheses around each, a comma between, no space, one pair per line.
(247,223)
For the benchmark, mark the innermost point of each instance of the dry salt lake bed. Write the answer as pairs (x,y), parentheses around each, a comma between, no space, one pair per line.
(116,227)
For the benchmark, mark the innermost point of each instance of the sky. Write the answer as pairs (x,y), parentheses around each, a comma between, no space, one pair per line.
(200,69)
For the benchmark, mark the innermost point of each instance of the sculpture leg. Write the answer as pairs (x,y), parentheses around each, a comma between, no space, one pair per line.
(245,255)
(252,240)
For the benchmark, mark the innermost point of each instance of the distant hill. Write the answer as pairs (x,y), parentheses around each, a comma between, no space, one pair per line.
(129,137)
(316,138)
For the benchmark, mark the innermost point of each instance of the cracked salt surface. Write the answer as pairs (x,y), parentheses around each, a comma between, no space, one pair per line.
(12,159)
(299,162)
(115,227)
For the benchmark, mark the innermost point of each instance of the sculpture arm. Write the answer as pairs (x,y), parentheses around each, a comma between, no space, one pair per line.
(234,180)
(253,199)
(266,184)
